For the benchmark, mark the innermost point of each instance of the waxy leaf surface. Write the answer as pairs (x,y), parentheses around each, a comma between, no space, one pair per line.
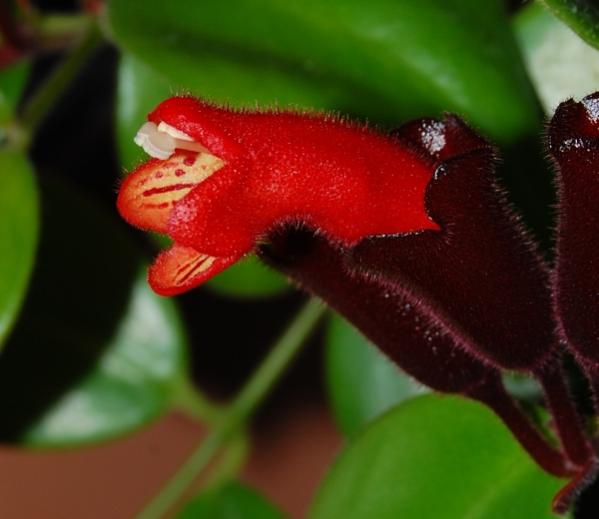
(435,457)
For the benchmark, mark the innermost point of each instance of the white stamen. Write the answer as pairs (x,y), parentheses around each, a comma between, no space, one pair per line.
(143,133)
(156,144)
(155,151)
(161,141)
(173,132)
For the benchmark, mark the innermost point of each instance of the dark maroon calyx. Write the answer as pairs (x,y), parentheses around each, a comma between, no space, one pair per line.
(574,146)
(480,277)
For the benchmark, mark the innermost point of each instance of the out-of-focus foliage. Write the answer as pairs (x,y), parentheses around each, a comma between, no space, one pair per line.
(581,15)
(435,457)
(560,64)
(95,354)
(249,278)
(361,382)
(18,204)
(18,234)
(139,90)
(232,501)
(12,81)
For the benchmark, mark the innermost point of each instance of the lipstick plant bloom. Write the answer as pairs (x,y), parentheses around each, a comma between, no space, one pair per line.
(406,234)
(256,170)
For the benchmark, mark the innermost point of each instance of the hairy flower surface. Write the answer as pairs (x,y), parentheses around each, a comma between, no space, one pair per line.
(259,169)
(408,235)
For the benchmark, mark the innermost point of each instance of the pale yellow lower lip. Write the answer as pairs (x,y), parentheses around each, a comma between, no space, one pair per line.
(151,192)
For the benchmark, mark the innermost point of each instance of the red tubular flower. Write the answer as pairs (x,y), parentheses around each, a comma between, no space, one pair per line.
(407,235)
(261,169)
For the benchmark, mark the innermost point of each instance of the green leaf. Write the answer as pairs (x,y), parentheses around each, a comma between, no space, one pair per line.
(382,59)
(12,82)
(139,90)
(249,278)
(18,234)
(434,456)
(362,383)
(560,64)
(232,501)
(96,354)
(132,382)
(581,15)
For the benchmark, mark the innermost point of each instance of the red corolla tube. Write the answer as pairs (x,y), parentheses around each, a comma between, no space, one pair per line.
(221,179)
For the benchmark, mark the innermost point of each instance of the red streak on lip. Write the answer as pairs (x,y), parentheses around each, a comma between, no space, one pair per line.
(166,189)
(163,205)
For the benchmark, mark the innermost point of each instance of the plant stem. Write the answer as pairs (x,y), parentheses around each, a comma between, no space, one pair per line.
(493,394)
(568,423)
(44,99)
(193,404)
(242,407)
(53,26)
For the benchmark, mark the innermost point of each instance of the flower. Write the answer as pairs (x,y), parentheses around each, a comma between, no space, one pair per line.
(222,179)
(407,235)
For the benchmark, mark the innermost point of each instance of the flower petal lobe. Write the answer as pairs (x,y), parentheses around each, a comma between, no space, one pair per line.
(180,268)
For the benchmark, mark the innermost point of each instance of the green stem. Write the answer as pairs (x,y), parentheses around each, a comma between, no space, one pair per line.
(242,407)
(193,404)
(44,99)
(231,459)
(53,26)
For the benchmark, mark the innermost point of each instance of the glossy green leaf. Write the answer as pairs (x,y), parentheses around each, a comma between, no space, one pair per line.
(249,278)
(131,383)
(560,64)
(12,82)
(581,15)
(382,59)
(434,456)
(139,90)
(232,501)
(18,234)
(362,383)
(96,354)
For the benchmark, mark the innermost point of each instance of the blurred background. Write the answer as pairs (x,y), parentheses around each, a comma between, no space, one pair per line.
(105,388)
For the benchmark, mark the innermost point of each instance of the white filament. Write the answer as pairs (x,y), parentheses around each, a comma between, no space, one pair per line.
(173,132)
(156,144)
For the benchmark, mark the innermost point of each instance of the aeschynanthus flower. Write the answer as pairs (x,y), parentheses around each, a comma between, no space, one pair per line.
(407,235)
(248,171)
